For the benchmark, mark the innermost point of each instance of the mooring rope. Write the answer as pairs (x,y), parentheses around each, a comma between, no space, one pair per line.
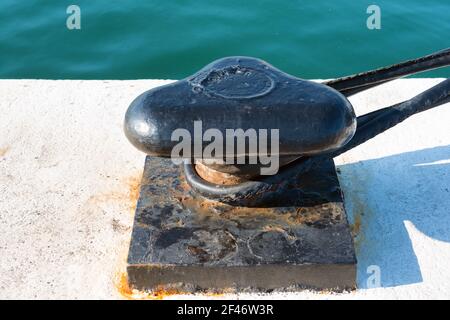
(353,84)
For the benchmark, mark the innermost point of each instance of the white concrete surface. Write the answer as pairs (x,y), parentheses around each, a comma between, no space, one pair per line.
(68,181)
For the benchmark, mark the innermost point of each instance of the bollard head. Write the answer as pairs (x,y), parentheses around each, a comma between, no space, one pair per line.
(241,93)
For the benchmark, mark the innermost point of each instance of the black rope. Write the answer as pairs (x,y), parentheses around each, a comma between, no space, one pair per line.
(353,84)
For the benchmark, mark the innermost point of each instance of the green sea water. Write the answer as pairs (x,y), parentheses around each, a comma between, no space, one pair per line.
(172,39)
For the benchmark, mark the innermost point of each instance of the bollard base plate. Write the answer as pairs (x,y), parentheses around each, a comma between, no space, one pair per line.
(183,242)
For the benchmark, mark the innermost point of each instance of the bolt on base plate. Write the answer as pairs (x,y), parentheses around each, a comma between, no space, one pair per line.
(301,239)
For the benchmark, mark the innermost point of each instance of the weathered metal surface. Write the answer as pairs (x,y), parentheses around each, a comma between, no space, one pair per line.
(301,237)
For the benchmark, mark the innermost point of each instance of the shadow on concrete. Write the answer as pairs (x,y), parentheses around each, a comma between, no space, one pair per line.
(382,195)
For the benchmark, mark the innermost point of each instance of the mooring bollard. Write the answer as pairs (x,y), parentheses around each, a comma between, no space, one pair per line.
(257,193)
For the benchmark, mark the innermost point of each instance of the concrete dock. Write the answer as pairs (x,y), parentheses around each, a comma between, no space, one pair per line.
(69,182)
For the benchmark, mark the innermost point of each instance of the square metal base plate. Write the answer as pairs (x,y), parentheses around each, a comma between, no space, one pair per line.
(187,242)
